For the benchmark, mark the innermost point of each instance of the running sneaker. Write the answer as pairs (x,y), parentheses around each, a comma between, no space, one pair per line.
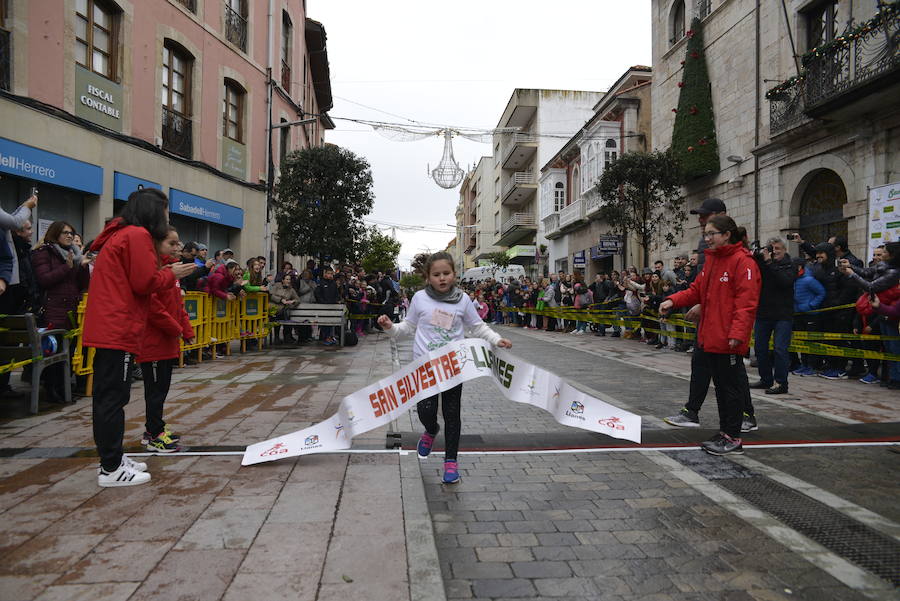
(834,374)
(425,443)
(684,419)
(162,444)
(147,437)
(722,444)
(124,475)
(451,472)
(870,379)
(748,424)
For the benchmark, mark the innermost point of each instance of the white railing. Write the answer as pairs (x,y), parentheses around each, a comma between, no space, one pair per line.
(592,203)
(551,224)
(518,220)
(572,213)
(518,178)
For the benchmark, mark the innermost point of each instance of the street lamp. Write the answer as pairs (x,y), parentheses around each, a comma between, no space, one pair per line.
(270,164)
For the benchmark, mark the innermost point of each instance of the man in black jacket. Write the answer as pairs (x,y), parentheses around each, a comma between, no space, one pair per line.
(774,315)
(838,291)
(327,293)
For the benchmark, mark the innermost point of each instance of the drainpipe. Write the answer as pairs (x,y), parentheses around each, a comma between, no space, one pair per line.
(270,165)
(756,128)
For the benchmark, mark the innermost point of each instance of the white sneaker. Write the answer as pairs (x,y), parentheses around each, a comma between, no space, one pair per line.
(124,476)
(137,466)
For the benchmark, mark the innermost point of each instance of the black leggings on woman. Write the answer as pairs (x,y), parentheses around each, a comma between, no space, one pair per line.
(450,406)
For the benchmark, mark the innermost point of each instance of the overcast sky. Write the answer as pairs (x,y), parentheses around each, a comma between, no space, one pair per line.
(457,63)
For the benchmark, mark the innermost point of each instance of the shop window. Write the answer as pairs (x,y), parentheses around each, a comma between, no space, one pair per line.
(233,111)
(821,23)
(287,34)
(677,23)
(96,36)
(176,99)
(559,197)
(236,23)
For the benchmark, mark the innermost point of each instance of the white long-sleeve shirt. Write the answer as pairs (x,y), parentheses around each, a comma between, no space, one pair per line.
(437,323)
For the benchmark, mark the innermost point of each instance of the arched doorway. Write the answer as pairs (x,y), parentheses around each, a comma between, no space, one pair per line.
(822,207)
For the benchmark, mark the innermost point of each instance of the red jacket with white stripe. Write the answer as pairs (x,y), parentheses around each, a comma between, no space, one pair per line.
(126,273)
(727,288)
(167,324)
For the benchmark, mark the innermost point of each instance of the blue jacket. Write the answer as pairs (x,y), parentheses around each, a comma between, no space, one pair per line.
(808,292)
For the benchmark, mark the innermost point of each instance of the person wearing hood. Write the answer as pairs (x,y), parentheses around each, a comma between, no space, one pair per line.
(774,319)
(838,292)
(126,274)
(62,273)
(727,289)
(809,294)
(167,325)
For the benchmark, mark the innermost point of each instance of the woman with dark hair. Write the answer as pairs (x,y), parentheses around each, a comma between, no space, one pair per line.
(126,274)
(62,273)
(728,290)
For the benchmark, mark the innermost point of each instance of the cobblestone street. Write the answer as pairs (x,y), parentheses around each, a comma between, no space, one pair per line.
(537,514)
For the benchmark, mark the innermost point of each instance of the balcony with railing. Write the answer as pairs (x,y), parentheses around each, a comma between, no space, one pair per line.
(177,133)
(235,28)
(551,226)
(286,76)
(846,71)
(520,150)
(520,188)
(516,228)
(592,203)
(572,215)
(5,59)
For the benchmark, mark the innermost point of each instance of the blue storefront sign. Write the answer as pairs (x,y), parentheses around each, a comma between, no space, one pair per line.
(198,207)
(42,166)
(124,185)
(578,259)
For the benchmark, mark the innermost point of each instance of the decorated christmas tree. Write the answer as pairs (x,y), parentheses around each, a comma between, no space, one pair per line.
(694,137)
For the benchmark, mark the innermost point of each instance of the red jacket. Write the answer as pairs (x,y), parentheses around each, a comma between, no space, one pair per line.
(126,273)
(727,288)
(218,282)
(167,323)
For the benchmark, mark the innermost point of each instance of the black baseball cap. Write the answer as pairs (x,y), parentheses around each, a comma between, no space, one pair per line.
(710,205)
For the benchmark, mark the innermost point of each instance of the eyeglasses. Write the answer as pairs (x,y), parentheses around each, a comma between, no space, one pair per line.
(711,234)
(67,233)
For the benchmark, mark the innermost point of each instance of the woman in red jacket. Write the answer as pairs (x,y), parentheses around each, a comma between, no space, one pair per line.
(167,324)
(728,290)
(126,272)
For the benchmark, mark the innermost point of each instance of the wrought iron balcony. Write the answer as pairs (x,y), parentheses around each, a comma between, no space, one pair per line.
(702,8)
(840,74)
(177,133)
(286,76)
(235,28)
(5,59)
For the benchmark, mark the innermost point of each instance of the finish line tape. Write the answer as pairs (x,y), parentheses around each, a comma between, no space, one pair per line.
(384,401)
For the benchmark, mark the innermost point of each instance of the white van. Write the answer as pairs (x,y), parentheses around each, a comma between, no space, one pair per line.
(501,274)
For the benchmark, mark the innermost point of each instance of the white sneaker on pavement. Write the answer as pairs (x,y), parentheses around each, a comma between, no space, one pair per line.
(125,475)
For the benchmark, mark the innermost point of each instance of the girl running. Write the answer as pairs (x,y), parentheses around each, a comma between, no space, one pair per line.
(438,314)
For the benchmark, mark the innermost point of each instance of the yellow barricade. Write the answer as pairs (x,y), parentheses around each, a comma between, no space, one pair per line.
(198,306)
(223,322)
(253,318)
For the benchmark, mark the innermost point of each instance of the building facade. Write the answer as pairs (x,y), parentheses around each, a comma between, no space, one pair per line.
(534,126)
(103,96)
(475,214)
(806,98)
(579,241)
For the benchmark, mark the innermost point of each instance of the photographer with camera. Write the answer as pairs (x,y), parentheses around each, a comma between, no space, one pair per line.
(774,315)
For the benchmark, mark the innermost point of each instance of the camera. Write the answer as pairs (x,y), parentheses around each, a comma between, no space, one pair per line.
(792,236)
(757,250)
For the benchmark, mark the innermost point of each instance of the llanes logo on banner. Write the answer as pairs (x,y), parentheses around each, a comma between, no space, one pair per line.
(442,369)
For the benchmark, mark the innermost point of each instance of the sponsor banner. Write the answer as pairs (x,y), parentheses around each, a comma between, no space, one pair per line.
(379,403)
(884,216)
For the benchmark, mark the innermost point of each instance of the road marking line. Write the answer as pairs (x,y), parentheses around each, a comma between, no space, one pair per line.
(850,574)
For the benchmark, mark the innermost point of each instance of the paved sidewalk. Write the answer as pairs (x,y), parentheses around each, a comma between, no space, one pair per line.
(309,528)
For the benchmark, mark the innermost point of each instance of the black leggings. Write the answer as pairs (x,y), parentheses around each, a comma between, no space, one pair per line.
(450,406)
(157,379)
